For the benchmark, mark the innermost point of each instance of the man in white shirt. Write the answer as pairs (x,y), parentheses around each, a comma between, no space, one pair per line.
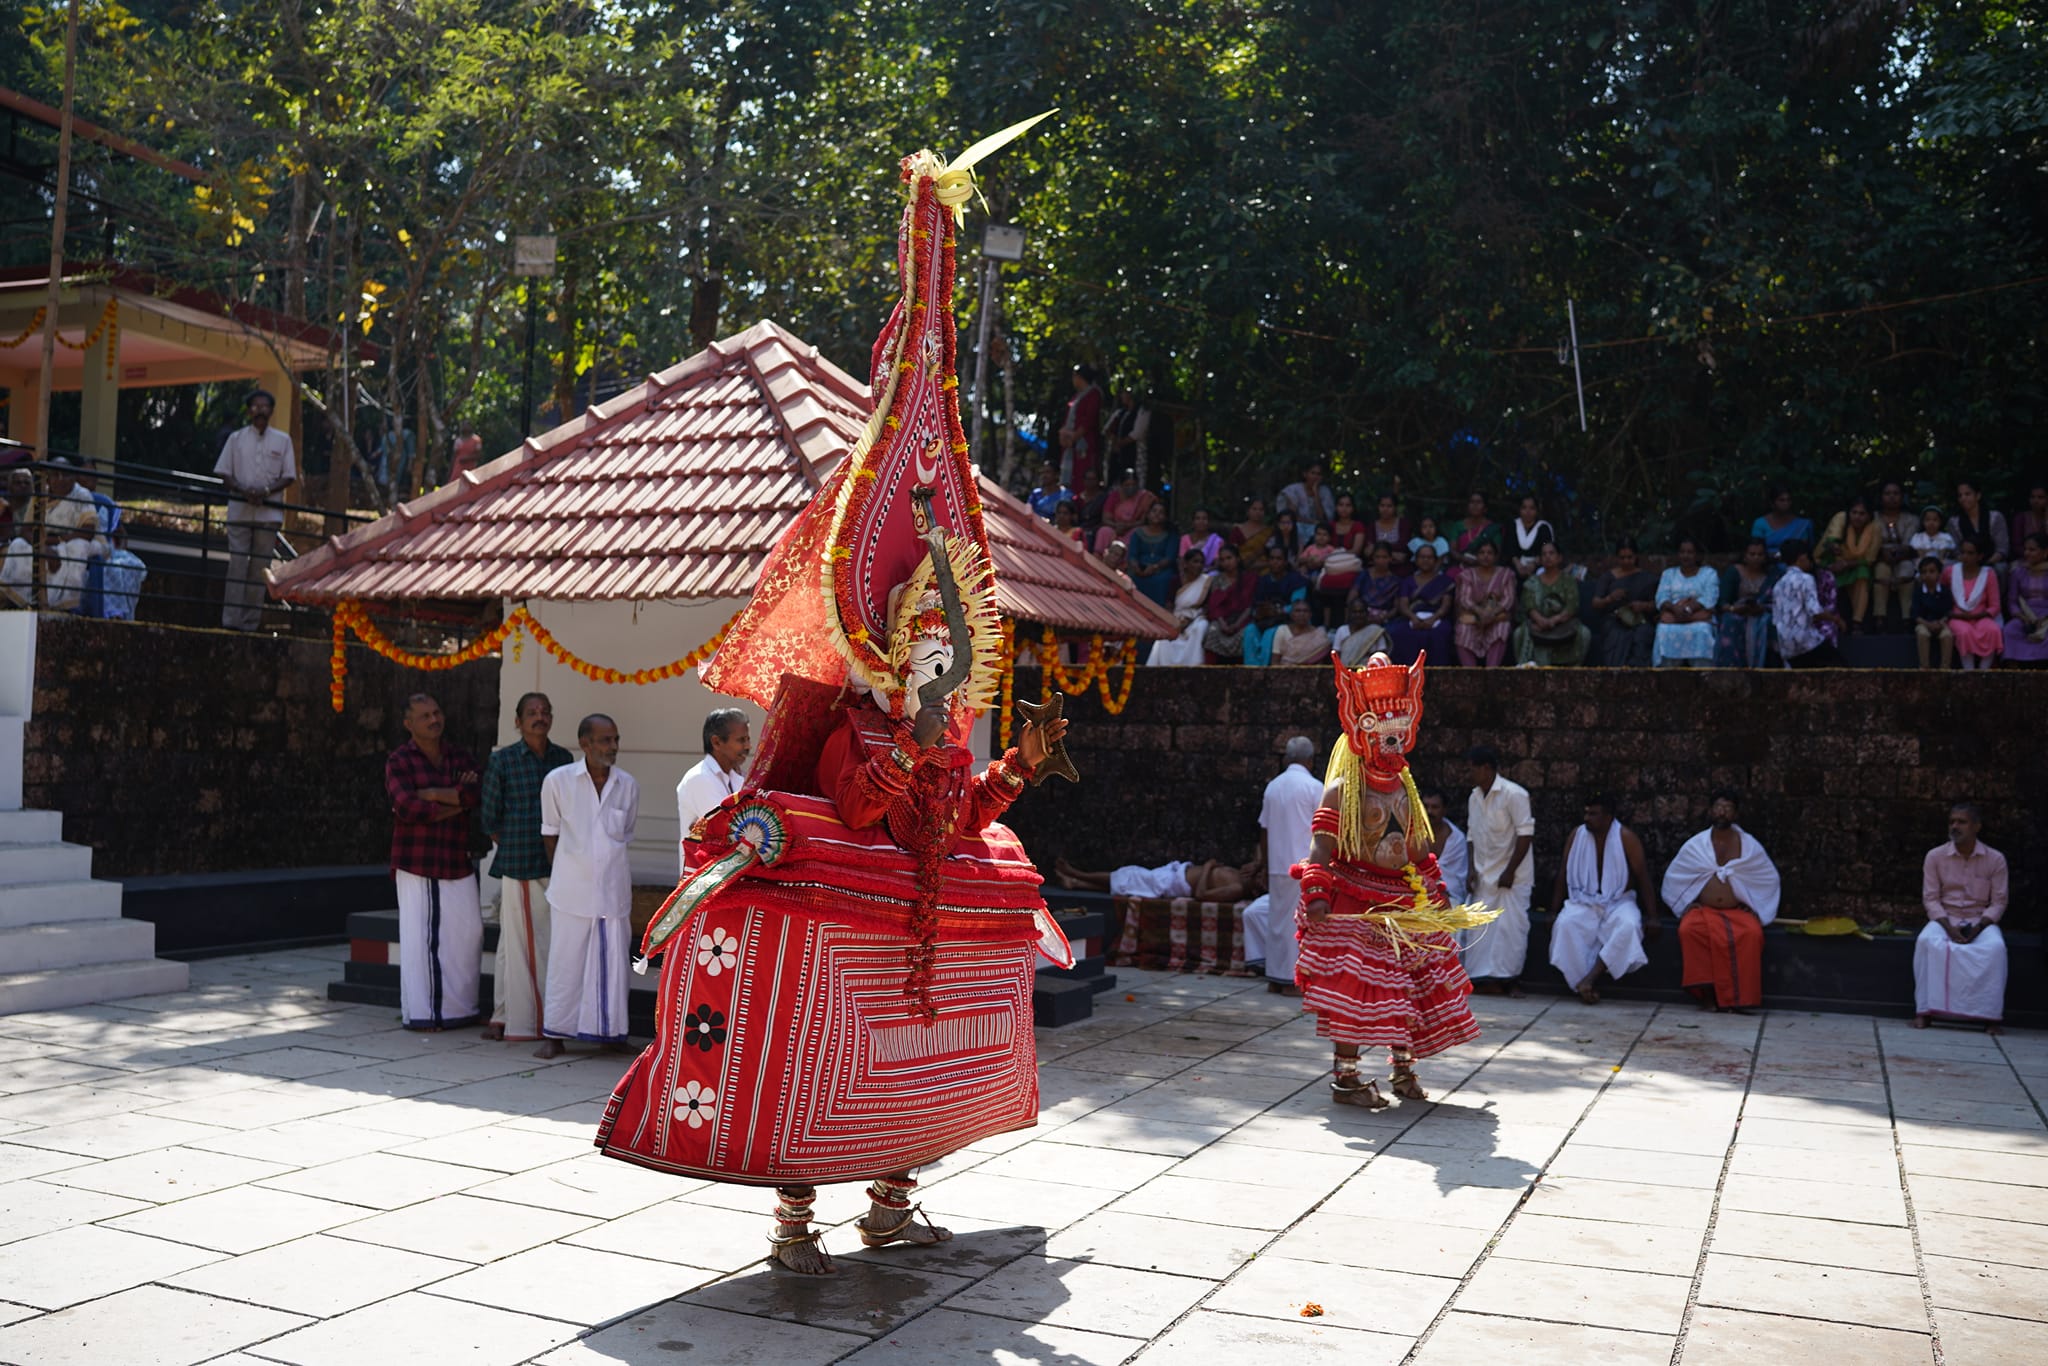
(1284,814)
(1499,872)
(720,774)
(588,813)
(1452,857)
(1606,903)
(257,463)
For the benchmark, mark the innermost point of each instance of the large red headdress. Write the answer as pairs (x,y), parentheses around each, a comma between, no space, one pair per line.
(1380,706)
(822,609)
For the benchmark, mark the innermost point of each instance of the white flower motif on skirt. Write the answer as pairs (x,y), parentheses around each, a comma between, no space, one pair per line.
(717,951)
(696,1103)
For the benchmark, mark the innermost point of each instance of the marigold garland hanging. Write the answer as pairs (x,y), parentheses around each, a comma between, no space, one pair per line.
(351,615)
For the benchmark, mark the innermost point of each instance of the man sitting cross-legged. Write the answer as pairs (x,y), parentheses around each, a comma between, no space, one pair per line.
(1959,961)
(1606,904)
(1209,880)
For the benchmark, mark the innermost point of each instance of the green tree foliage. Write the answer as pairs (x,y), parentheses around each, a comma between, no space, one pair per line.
(1802,236)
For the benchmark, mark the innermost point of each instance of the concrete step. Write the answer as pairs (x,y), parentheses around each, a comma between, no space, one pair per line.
(57,903)
(55,988)
(77,944)
(31,827)
(44,863)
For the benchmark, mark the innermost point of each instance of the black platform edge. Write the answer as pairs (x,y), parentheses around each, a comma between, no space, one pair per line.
(212,915)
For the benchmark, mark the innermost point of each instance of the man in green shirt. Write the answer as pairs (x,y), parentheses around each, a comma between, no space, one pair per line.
(511,817)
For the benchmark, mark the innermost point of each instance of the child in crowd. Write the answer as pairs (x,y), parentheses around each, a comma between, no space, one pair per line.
(1932,602)
(1933,538)
(1313,555)
(1427,534)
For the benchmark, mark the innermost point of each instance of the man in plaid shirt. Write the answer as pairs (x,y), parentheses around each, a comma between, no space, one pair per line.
(511,817)
(433,786)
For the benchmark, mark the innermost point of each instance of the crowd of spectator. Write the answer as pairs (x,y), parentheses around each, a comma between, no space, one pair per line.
(1318,569)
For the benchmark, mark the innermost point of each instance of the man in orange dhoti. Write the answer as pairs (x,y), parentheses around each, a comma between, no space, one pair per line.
(1725,890)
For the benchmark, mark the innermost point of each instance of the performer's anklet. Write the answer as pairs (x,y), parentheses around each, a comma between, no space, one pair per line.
(890,1193)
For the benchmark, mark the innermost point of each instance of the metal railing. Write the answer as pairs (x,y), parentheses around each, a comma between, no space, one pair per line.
(174,521)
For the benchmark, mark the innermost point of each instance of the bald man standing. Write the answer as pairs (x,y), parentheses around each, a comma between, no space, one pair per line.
(1284,815)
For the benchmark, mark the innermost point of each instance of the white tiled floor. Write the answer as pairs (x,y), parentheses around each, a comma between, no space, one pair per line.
(247,1174)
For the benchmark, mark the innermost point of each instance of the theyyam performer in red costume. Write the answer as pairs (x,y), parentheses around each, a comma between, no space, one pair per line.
(1379,965)
(846,972)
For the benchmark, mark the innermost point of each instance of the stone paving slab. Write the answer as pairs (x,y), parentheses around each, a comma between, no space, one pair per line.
(248,1174)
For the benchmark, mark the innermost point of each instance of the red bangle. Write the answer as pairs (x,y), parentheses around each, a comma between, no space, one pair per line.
(1316,879)
(1326,821)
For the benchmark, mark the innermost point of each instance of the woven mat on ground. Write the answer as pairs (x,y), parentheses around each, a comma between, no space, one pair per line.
(1181,935)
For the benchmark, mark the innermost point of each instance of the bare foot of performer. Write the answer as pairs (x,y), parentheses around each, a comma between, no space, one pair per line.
(891,1219)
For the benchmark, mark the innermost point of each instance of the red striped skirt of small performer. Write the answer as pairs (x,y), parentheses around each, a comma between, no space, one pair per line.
(1365,991)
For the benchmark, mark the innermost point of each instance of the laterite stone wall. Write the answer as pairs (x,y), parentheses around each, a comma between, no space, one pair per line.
(185,751)
(1846,774)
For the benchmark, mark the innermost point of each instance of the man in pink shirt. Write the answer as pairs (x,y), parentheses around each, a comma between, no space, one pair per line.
(1959,961)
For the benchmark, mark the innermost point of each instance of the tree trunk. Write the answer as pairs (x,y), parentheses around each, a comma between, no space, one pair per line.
(565,373)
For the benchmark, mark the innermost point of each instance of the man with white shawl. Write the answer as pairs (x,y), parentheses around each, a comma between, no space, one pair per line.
(1601,924)
(1724,889)
(1959,960)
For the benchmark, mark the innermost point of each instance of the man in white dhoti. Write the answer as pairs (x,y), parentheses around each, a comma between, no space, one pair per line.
(1959,960)
(1453,857)
(588,813)
(1209,880)
(1284,814)
(1499,872)
(1606,904)
(718,775)
(511,817)
(433,786)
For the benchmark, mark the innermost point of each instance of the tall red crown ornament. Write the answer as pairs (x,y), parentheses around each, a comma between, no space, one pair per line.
(823,609)
(1380,707)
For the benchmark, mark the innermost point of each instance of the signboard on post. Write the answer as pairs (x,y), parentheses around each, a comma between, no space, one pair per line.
(533,256)
(1002,242)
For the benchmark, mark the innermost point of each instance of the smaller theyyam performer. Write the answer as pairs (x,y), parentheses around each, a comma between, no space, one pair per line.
(847,967)
(1379,961)
(1724,889)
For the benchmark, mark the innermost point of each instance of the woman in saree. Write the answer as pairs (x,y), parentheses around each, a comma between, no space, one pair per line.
(1850,547)
(1466,535)
(1742,631)
(1189,599)
(1625,609)
(1124,511)
(1151,556)
(1551,633)
(1379,587)
(1228,608)
(1250,535)
(1391,530)
(1422,612)
(1484,604)
(1686,596)
(1286,535)
(2026,630)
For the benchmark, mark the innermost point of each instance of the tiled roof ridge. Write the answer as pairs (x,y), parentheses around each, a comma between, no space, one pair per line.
(743,350)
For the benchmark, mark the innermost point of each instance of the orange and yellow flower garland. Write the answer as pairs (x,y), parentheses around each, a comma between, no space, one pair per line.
(1095,669)
(350,616)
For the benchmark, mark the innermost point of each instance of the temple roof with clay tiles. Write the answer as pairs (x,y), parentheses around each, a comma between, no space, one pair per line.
(678,489)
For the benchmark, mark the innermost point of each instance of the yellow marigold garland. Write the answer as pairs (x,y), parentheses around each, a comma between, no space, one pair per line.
(109,325)
(349,614)
(1094,670)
